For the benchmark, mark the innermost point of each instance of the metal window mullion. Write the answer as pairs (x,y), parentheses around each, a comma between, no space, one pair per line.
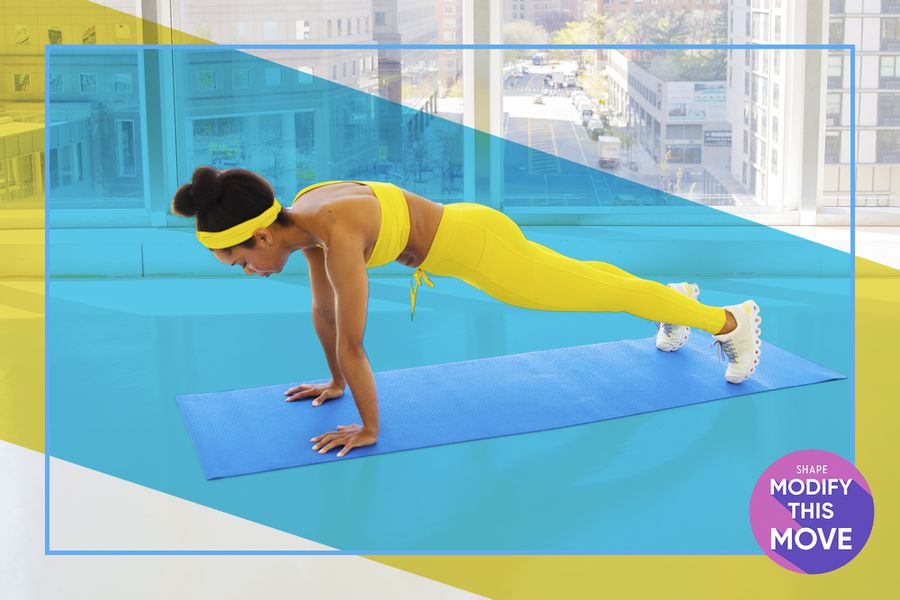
(482,103)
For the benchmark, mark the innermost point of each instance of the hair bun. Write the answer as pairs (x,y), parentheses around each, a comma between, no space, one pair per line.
(204,190)
(206,187)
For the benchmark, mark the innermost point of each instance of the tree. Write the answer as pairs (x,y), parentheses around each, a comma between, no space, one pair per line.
(589,30)
(523,32)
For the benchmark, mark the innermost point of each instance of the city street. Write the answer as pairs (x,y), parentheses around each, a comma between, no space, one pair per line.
(554,127)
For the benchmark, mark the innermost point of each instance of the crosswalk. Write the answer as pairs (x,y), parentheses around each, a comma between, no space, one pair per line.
(541,136)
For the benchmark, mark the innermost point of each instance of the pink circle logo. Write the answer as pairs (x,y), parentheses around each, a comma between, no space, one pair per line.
(811,511)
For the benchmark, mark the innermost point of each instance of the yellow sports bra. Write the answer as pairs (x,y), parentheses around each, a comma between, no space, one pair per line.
(393,233)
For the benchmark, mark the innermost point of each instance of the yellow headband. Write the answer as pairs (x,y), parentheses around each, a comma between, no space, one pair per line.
(241,232)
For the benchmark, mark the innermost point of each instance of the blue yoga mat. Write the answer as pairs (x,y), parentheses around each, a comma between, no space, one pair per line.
(252,430)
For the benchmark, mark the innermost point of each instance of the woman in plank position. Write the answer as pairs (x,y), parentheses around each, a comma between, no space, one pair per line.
(345,227)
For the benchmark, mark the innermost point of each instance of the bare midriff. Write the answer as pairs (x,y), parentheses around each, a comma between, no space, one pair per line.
(424,218)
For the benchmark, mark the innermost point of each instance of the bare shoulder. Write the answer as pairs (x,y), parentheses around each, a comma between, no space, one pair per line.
(345,206)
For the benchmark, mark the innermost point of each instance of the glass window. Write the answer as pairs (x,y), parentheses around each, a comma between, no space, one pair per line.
(328,28)
(302,30)
(54,167)
(684,154)
(833,146)
(240,79)
(833,109)
(206,81)
(835,71)
(774,169)
(87,83)
(890,33)
(889,72)
(836,31)
(125,158)
(889,109)
(685,132)
(887,146)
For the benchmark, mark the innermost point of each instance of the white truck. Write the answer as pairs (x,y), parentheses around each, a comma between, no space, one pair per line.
(608,151)
(558,79)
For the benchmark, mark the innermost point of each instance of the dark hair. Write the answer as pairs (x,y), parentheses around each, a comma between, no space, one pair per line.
(222,199)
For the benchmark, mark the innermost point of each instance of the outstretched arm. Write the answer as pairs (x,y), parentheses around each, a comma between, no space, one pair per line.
(324,322)
(346,270)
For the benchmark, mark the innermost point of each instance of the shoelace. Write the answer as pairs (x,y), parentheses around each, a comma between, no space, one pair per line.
(418,276)
(667,327)
(728,347)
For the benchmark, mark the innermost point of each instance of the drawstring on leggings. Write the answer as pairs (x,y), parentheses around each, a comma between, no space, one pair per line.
(413,288)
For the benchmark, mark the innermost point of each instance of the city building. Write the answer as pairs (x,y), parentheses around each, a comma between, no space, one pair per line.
(682,124)
(763,87)
(874,28)
(448,14)
(405,77)
(789,105)
(638,7)
(539,12)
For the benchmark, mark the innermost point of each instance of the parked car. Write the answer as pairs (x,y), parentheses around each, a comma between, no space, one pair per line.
(595,128)
(587,114)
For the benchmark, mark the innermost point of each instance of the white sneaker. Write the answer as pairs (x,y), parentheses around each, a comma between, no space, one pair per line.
(671,337)
(742,344)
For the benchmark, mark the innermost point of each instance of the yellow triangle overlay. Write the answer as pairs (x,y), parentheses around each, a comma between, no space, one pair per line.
(26,28)
(501,577)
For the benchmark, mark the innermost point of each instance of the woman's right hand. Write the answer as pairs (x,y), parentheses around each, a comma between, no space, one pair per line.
(320,392)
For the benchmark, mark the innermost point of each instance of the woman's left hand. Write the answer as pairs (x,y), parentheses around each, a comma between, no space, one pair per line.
(348,436)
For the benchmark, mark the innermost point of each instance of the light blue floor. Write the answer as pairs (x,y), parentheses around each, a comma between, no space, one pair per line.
(674,481)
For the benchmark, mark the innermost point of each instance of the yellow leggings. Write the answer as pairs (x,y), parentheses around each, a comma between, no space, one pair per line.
(486,249)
